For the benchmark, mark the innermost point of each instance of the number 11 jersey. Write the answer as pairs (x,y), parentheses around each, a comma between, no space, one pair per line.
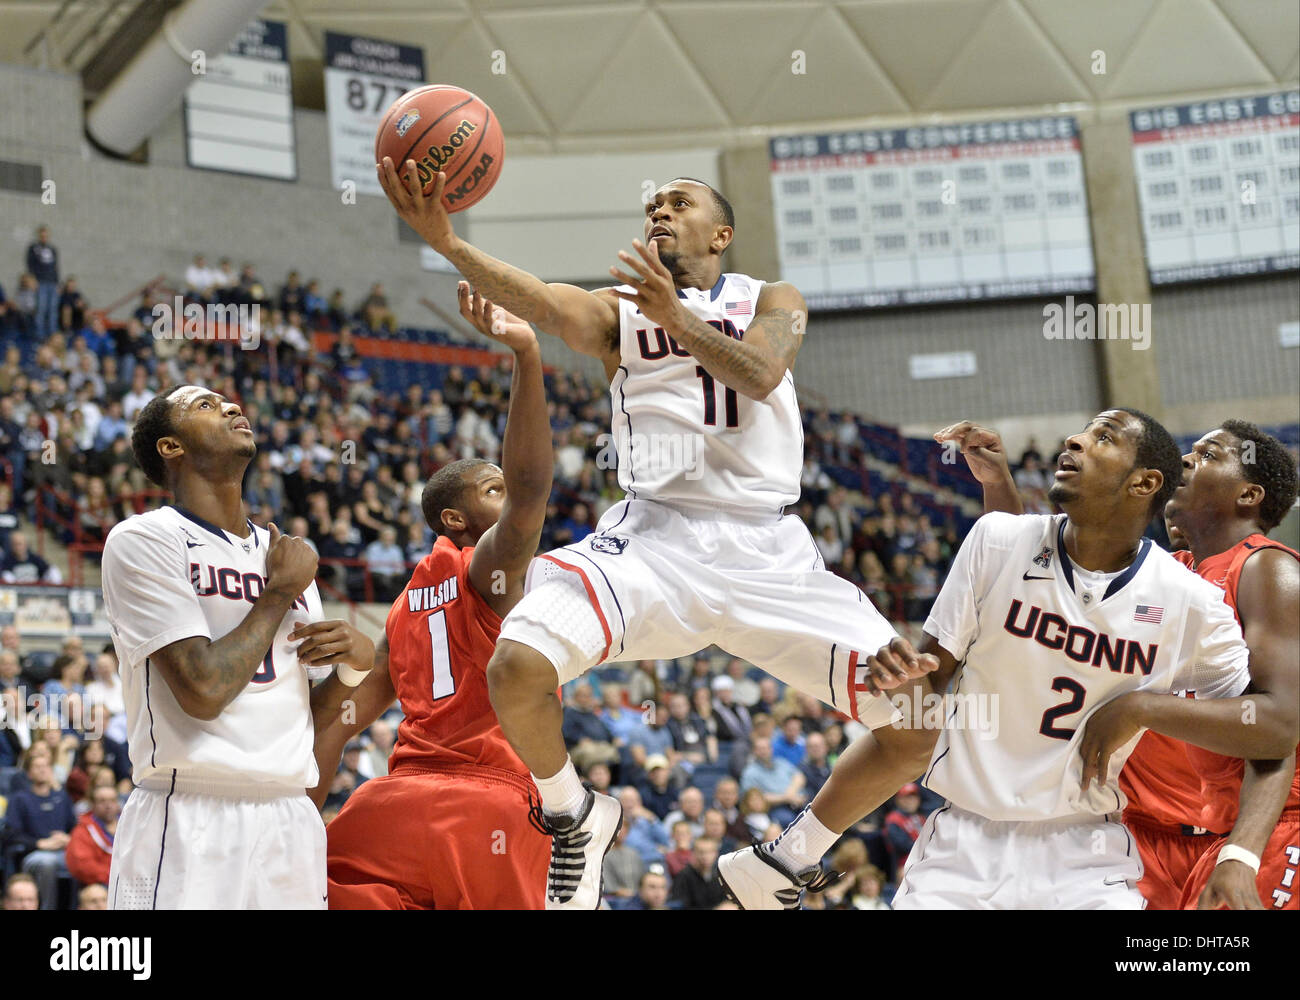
(681,435)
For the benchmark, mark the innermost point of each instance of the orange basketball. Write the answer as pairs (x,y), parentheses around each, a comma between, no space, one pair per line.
(443,128)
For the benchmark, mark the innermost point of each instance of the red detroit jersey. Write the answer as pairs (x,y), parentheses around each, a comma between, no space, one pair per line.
(1220,775)
(441,634)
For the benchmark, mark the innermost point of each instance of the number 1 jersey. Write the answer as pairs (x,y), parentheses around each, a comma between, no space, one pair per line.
(681,435)
(441,634)
(1042,644)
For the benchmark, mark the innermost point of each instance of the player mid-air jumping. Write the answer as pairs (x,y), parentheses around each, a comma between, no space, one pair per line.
(710,446)
(449,826)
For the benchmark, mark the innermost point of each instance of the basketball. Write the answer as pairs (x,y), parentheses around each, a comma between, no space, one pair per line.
(444,128)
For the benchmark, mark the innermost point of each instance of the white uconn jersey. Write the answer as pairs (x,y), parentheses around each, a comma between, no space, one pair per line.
(1044,646)
(681,435)
(169,575)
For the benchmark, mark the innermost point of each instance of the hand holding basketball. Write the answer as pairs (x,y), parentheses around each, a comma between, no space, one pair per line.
(426,215)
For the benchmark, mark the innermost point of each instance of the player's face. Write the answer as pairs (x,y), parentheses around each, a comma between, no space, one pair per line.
(1212,481)
(484,496)
(681,223)
(1098,461)
(211,427)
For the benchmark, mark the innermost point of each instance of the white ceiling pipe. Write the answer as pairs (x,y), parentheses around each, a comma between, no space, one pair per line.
(151,85)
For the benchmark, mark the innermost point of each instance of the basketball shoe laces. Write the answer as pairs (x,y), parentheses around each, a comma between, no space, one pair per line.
(812,879)
(568,857)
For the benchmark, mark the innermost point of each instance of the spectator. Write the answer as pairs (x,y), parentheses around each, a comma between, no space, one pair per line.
(20,565)
(903,824)
(90,848)
(778,780)
(340,549)
(789,743)
(621,721)
(43,265)
(753,810)
(380,748)
(715,828)
(645,832)
(93,897)
(733,718)
(623,868)
(690,736)
(39,820)
(690,810)
(696,887)
(652,893)
(769,696)
(587,737)
(387,565)
(201,279)
(816,768)
(642,685)
(658,797)
(680,855)
(21,893)
(746,692)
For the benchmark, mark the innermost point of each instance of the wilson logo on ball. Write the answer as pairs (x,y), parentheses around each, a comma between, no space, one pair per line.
(436,157)
(470,182)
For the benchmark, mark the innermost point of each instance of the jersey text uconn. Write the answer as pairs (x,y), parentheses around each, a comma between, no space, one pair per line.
(665,345)
(230,583)
(1080,643)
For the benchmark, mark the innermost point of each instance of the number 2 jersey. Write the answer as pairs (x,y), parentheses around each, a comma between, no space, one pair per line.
(441,634)
(169,575)
(1042,644)
(681,435)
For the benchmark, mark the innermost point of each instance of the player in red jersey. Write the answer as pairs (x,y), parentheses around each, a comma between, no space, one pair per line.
(449,826)
(1238,485)
(1164,808)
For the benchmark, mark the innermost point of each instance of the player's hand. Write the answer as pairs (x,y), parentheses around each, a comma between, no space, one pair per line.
(1108,728)
(656,294)
(983,450)
(494,321)
(325,643)
(897,664)
(1232,884)
(426,214)
(290,563)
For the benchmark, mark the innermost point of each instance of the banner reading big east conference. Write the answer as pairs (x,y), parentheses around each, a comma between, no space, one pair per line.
(1219,186)
(363,76)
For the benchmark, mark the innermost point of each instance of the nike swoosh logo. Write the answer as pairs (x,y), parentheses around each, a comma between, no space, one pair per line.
(193,545)
(1028,577)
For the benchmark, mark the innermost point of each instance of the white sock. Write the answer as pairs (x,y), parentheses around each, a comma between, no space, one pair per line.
(803,842)
(562,793)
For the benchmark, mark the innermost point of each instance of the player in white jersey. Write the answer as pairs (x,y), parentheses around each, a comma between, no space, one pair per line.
(202,605)
(1040,622)
(710,448)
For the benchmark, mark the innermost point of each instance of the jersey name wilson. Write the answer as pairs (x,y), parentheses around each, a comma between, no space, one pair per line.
(427,598)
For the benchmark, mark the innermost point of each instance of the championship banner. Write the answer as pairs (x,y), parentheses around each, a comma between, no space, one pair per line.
(363,76)
(941,213)
(1219,186)
(239,111)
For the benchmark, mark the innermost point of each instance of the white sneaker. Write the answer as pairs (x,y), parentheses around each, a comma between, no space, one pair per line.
(578,847)
(754,880)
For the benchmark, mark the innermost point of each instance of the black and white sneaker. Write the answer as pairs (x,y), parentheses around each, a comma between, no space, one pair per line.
(578,848)
(754,880)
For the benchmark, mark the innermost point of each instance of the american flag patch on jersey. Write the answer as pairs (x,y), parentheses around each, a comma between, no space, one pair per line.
(1148,613)
(742,308)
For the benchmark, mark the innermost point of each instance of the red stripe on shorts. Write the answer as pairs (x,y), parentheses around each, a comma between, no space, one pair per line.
(591,596)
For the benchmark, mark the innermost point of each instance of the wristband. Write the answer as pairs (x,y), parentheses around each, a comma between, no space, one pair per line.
(1232,852)
(350,677)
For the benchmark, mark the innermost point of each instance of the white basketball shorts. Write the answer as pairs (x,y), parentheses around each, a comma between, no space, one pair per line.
(962,861)
(656,583)
(191,850)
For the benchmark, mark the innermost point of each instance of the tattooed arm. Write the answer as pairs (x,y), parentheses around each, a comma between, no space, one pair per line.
(753,366)
(586,321)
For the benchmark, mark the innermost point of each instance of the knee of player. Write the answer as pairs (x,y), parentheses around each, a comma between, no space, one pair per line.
(518,669)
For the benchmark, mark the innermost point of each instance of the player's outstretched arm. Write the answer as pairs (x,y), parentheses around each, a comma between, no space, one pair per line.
(1265,788)
(502,555)
(753,366)
(340,712)
(205,675)
(1263,724)
(988,464)
(586,321)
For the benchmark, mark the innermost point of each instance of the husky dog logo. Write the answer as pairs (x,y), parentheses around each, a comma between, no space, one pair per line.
(406,121)
(1044,558)
(609,543)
